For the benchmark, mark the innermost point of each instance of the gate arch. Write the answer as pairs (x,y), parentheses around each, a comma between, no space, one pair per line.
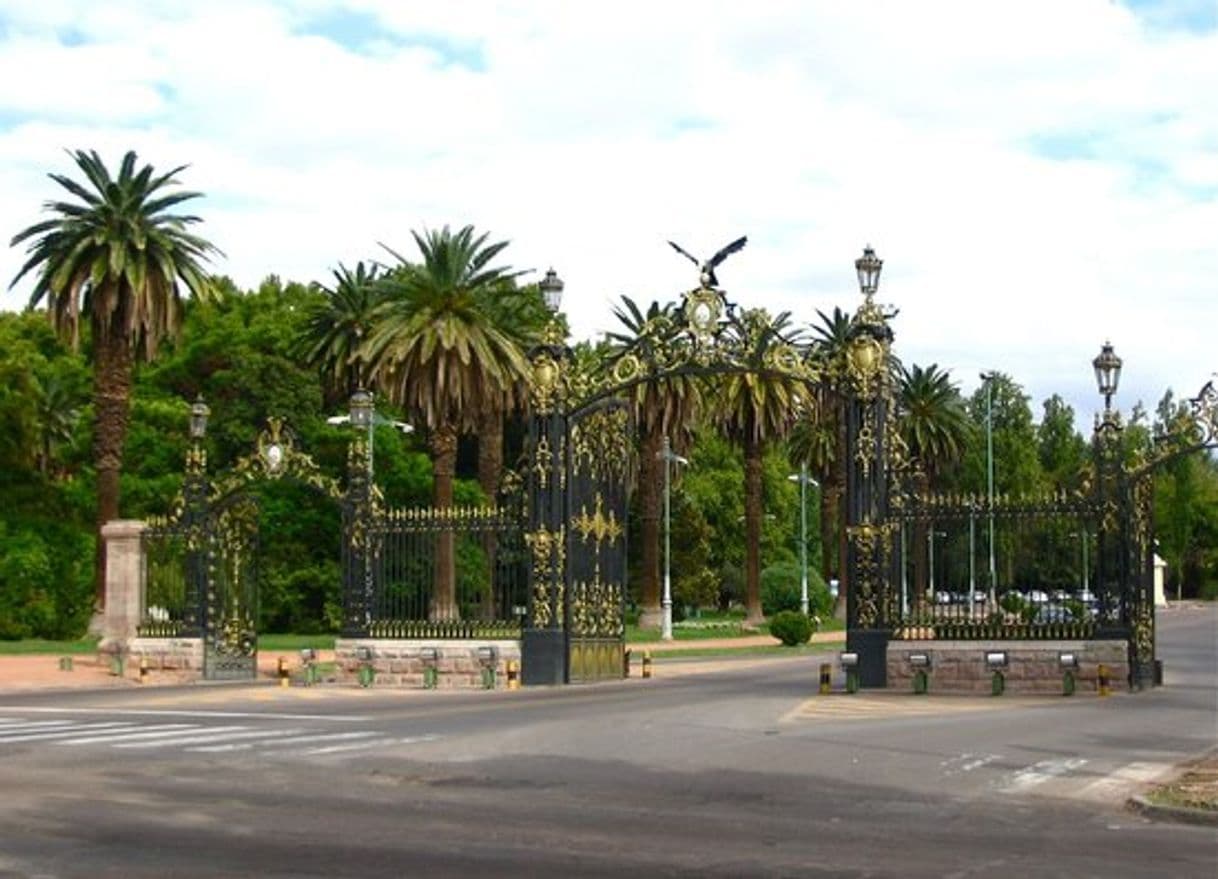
(574,531)
(201,560)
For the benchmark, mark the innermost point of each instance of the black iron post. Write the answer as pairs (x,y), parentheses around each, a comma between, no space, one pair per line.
(543,647)
(870,534)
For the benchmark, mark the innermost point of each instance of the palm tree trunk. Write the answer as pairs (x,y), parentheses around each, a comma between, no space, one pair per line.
(113,362)
(649,509)
(490,471)
(444,468)
(753,449)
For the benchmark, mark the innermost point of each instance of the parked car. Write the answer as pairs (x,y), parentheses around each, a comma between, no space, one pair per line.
(1052,613)
(1036,596)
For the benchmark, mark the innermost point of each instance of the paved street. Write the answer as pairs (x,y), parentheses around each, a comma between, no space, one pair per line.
(723,768)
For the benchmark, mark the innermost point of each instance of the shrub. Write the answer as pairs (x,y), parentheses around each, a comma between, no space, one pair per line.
(780,590)
(791,627)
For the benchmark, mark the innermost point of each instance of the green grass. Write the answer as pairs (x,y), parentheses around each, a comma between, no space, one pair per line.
(34,646)
(295,642)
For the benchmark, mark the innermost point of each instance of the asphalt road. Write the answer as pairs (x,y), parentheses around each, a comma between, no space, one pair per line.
(739,772)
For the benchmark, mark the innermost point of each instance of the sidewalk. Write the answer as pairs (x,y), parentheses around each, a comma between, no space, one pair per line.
(38,672)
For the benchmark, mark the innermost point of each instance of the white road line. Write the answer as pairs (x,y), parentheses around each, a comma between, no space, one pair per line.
(351,746)
(165,712)
(75,730)
(155,731)
(369,743)
(295,740)
(1038,773)
(38,724)
(229,733)
(980,761)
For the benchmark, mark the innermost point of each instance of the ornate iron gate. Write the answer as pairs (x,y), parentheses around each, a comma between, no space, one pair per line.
(598,456)
(230,594)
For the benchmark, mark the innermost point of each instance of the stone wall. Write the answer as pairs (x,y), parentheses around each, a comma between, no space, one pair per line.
(1032,666)
(181,657)
(400,663)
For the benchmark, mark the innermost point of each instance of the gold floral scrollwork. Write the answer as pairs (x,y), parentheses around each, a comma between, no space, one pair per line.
(865,364)
(627,369)
(598,527)
(543,461)
(545,386)
(1144,634)
(549,556)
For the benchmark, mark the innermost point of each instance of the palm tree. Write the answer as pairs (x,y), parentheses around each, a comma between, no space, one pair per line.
(436,351)
(819,439)
(335,327)
(932,418)
(755,408)
(663,407)
(56,409)
(936,429)
(115,254)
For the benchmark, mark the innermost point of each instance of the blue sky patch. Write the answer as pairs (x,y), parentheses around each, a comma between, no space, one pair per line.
(360,32)
(1194,16)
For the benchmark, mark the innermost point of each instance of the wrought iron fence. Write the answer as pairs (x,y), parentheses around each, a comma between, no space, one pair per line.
(165,581)
(1038,578)
(407,584)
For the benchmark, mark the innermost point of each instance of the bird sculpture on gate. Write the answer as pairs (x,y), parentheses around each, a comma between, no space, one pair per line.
(706,269)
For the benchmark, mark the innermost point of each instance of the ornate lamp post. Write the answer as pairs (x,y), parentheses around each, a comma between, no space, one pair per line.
(1107,374)
(804,481)
(868,561)
(543,642)
(194,493)
(669,458)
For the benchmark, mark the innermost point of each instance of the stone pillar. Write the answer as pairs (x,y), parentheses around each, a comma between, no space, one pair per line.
(124,583)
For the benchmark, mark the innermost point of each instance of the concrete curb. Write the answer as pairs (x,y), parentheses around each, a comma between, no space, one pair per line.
(1178,814)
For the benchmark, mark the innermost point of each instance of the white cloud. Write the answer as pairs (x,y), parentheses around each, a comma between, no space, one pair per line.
(1037,176)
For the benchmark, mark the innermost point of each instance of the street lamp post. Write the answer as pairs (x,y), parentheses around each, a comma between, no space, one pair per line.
(804,481)
(362,415)
(1082,537)
(988,378)
(930,542)
(669,458)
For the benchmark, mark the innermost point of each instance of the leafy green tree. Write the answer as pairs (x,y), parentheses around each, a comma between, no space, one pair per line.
(115,254)
(438,353)
(756,408)
(1062,451)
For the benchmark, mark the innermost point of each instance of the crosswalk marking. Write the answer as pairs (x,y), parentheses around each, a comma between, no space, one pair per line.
(298,741)
(228,734)
(155,731)
(59,732)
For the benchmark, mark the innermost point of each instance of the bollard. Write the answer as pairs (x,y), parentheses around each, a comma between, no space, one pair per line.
(997,661)
(282,672)
(646,663)
(998,684)
(431,676)
(1068,683)
(849,662)
(626,663)
(852,681)
(366,675)
(65,663)
(920,682)
(117,666)
(920,663)
(1101,677)
(488,677)
(143,669)
(513,675)
(826,678)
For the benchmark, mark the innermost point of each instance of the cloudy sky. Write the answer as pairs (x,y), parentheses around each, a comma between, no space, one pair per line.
(1037,176)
